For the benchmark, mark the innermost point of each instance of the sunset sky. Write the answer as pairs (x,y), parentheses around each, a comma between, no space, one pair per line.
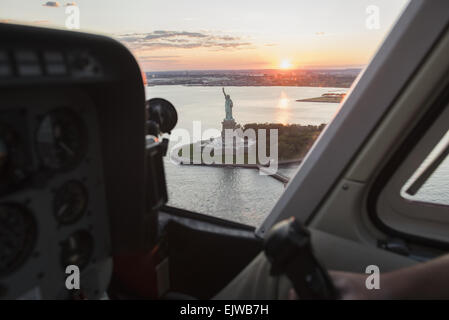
(231,34)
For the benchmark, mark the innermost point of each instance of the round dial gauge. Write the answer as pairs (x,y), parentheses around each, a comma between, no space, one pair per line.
(70,202)
(12,159)
(17,236)
(61,139)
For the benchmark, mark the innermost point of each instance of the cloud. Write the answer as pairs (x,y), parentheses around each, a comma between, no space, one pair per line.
(162,34)
(226,38)
(158,58)
(320,33)
(178,40)
(161,57)
(35,22)
(164,39)
(193,45)
(52,4)
(164,45)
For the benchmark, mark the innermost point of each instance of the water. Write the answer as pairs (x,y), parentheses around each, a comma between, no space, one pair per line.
(436,188)
(242,195)
(251,104)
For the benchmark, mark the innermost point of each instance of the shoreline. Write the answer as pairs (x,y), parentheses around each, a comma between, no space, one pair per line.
(322,99)
(247,85)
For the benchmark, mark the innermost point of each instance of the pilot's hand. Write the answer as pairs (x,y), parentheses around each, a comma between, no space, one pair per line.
(351,286)
(427,280)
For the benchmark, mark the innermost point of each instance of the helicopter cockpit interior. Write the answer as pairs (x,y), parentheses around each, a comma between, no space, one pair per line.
(79,183)
(82,179)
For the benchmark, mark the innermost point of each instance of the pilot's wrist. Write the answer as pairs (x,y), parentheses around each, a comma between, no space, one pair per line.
(353,286)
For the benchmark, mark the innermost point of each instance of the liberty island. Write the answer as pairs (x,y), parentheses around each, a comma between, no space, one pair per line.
(253,145)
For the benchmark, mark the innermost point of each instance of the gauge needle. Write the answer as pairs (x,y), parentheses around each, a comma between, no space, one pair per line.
(62,210)
(66,148)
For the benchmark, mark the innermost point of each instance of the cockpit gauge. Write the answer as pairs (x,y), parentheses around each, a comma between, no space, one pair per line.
(17,236)
(70,202)
(12,159)
(61,139)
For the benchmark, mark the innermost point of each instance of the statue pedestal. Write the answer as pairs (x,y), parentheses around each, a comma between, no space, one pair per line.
(227,124)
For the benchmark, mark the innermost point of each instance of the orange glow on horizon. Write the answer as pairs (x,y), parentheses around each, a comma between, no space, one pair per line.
(251,59)
(285,64)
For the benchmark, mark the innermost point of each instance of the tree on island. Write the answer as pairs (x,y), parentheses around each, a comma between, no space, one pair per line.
(294,140)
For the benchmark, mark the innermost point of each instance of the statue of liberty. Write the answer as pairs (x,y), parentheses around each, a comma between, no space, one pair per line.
(228,106)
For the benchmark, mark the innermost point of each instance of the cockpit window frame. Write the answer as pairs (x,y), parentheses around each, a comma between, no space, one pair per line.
(417,221)
(361,112)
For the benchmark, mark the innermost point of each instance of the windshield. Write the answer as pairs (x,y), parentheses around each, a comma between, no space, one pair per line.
(273,73)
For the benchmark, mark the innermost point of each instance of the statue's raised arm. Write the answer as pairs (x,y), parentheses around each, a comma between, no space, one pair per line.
(224,92)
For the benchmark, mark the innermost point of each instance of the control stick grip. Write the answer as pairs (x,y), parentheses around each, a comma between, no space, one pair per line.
(288,248)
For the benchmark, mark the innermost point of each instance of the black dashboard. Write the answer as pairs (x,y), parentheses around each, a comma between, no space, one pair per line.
(72,160)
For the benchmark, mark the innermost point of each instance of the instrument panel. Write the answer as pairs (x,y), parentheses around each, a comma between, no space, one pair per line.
(52,197)
(72,161)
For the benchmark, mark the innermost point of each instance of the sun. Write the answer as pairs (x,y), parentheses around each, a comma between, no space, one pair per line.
(285,64)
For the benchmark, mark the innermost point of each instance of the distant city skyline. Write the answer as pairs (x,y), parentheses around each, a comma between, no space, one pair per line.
(231,35)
